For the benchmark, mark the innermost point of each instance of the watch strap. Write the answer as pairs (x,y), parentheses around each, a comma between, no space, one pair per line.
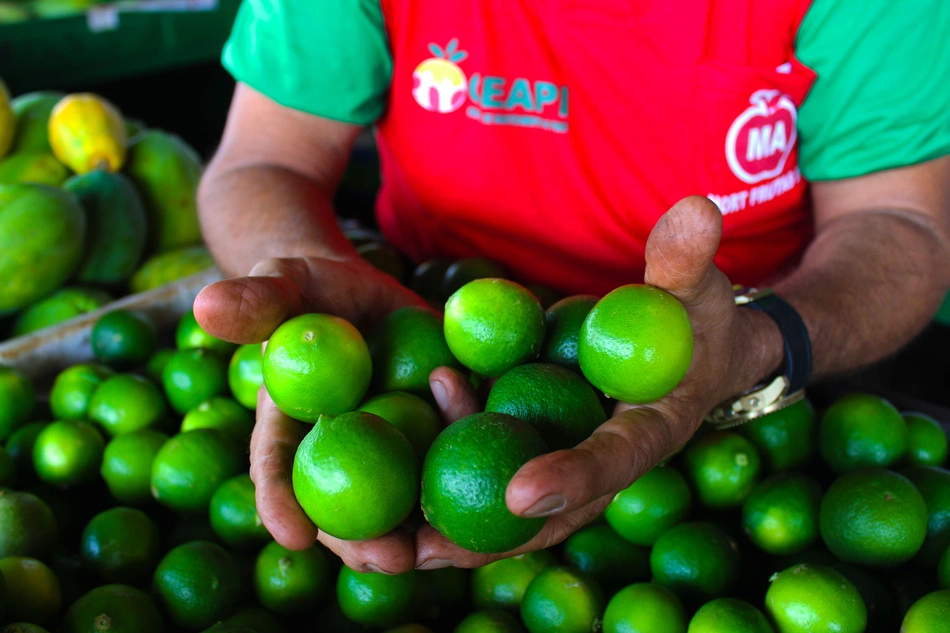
(796,366)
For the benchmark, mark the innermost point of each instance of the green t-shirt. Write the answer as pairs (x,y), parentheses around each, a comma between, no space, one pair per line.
(881,100)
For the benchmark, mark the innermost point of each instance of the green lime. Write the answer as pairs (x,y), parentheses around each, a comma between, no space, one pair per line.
(489,622)
(116,609)
(29,527)
(412,415)
(492,325)
(930,614)
(234,516)
(604,555)
(645,608)
(723,468)
(3,595)
(256,619)
(22,627)
(127,465)
(7,468)
(121,545)
(68,453)
(221,413)
(934,486)
(650,506)
(696,561)
(873,518)
(780,515)
(405,347)
(127,403)
(190,466)
(467,270)
(72,390)
(862,431)
(558,403)
(190,335)
(20,447)
(33,591)
(374,459)
(375,599)
(787,438)
(289,582)
(156,364)
(729,615)
(197,584)
(17,398)
(501,585)
(192,376)
(547,296)
(636,344)
(61,306)
(316,364)
(123,339)
(563,323)
(562,600)
(814,599)
(246,374)
(427,280)
(926,440)
(465,477)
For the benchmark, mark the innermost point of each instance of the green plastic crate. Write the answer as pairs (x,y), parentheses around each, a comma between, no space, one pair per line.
(112,42)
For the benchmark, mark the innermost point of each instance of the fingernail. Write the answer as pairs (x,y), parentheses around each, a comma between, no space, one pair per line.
(436,563)
(376,570)
(440,394)
(552,504)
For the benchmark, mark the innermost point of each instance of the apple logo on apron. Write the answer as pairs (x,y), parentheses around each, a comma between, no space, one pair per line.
(762,137)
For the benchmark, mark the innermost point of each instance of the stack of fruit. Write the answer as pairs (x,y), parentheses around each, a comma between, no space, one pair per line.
(92,207)
(133,509)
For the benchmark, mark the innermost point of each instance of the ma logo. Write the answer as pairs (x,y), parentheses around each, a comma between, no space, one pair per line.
(762,137)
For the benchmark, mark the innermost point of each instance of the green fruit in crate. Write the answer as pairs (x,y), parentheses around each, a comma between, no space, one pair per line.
(17,399)
(60,306)
(29,527)
(115,226)
(41,236)
(113,608)
(168,267)
(32,112)
(38,168)
(166,172)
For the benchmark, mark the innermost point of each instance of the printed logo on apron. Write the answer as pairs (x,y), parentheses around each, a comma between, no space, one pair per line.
(760,140)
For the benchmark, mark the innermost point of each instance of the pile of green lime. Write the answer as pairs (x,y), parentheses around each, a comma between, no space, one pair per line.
(127,503)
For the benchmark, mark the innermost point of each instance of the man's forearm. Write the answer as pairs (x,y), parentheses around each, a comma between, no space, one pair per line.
(867,285)
(255,212)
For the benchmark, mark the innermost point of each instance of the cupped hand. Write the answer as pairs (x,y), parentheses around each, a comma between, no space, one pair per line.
(247,310)
(573,486)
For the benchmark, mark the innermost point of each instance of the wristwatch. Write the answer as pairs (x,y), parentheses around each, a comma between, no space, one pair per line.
(782,389)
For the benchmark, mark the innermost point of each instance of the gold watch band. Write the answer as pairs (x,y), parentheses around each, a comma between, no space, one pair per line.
(755,403)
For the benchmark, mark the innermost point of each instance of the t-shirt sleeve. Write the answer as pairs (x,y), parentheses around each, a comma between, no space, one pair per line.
(325,57)
(882,97)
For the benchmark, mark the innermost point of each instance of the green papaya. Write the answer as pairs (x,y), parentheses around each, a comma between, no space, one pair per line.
(62,305)
(116,226)
(167,267)
(39,168)
(41,235)
(32,115)
(165,170)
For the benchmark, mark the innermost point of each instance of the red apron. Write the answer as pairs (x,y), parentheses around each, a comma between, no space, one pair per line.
(551,135)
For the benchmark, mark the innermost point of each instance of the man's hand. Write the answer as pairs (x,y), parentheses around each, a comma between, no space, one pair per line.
(733,349)
(248,310)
